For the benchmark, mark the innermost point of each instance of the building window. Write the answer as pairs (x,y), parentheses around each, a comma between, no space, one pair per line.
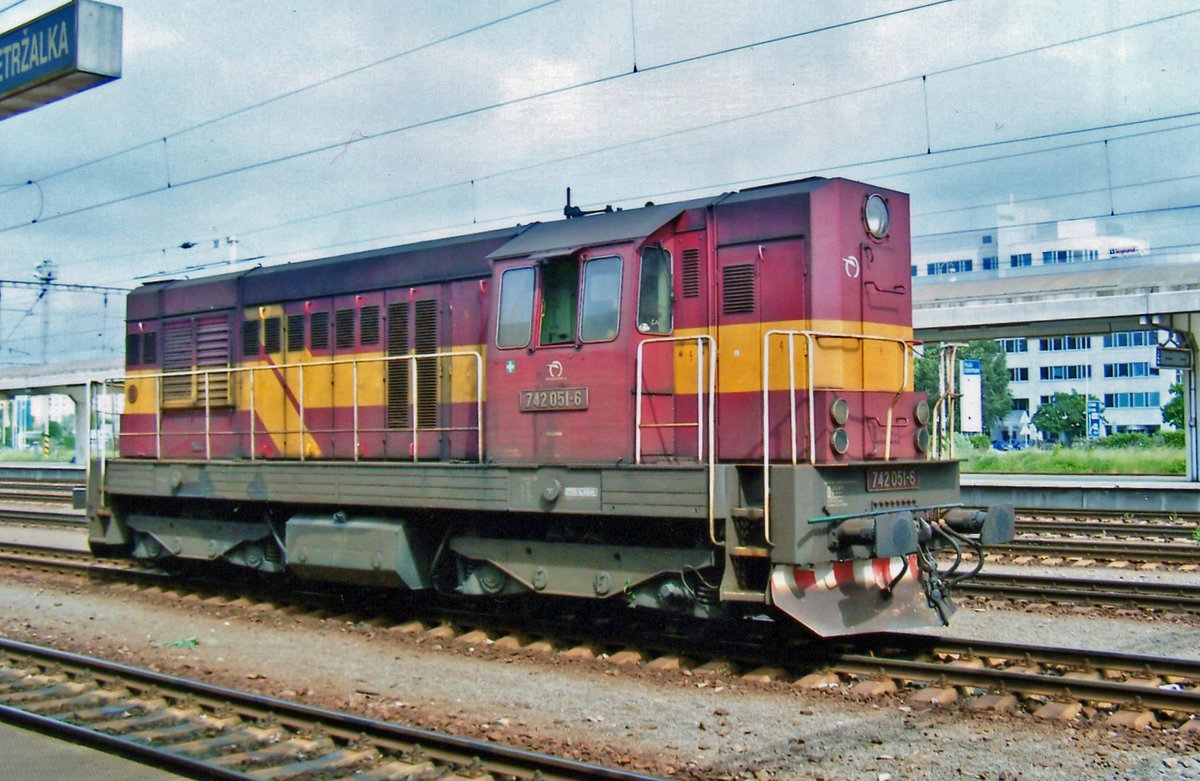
(991,264)
(1014,345)
(1020,405)
(1132,369)
(1139,400)
(1018,374)
(1077,372)
(1131,339)
(1063,343)
(1023,259)
(949,267)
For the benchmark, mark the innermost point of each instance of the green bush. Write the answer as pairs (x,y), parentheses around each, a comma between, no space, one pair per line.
(1129,439)
(980,441)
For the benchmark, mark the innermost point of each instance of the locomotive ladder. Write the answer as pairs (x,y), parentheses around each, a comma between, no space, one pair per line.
(811,338)
(705,424)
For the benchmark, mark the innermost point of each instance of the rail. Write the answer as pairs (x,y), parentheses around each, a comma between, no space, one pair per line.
(705,412)
(223,395)
(811,338)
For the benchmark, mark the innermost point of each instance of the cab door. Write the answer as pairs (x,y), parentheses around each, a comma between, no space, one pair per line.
(739,353)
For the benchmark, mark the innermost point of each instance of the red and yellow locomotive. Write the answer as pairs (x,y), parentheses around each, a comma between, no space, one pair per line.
(704,407)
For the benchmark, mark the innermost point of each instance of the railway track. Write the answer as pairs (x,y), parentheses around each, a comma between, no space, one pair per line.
(1127,689)
(1173,553)
(211,732)
(1109,527)
(1180,597)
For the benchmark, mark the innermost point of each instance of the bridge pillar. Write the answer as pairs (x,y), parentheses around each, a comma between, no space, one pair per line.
(83,419)
(1190,409)
(1186,329)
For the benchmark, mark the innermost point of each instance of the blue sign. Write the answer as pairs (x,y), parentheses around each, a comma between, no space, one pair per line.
(68,50)
(37,52)
(972,366)
(1093,417)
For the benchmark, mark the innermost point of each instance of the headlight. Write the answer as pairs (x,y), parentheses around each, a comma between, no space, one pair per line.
(839,411)
(875,216)
(839,440)
(921,412)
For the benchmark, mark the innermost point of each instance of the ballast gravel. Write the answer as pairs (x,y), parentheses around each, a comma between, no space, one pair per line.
(665,723)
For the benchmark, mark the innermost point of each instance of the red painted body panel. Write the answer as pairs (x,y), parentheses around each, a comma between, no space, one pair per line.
(793,256)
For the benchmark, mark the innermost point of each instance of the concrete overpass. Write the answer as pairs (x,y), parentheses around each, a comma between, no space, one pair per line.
(1096,297)
(71,379)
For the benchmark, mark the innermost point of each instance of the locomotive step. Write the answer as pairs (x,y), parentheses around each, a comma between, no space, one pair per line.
(747,513)
(750,552)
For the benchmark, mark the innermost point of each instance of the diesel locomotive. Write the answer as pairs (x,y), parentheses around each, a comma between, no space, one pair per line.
(703,407)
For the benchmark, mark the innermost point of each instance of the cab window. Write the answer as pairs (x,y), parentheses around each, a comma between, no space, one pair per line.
(655,300)
(601,300)
(515,320)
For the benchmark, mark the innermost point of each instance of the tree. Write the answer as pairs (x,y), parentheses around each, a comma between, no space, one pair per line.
(1172,412)
(997,398)
(1064,415)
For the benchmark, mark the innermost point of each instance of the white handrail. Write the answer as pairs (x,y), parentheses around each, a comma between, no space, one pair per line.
(705,412)
(203,374)
(811,338)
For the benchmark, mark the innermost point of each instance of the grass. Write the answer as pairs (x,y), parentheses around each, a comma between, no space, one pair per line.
(1082,459)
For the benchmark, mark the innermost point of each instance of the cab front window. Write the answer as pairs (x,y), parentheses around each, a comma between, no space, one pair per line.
(601,300)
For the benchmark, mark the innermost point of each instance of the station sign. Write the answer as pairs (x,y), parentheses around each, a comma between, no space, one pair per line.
(1173,358)
(971,390)
(66,51)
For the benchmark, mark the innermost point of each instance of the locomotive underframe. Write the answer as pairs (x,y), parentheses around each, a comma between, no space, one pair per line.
(640,533)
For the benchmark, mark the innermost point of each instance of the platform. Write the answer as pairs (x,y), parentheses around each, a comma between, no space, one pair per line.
(28,756)
(1101,493)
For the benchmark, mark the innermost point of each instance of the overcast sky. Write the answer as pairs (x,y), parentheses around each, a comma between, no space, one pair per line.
(308,128)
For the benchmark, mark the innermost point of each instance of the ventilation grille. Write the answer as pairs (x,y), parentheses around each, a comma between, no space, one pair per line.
(345,329)
(132,342)
(250,340)
(691,273)
(295,335)
(739,289)
(202,345)
(177,357)
(319,326)
(369,325)
(150,347)
(212,351)
(427,368)
(272,335)
(397,371)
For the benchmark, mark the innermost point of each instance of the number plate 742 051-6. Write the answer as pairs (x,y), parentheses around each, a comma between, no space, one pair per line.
(895,478)
(553,399)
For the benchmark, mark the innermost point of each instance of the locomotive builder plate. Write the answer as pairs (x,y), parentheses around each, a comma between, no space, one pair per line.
(893,478)
(553,399)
